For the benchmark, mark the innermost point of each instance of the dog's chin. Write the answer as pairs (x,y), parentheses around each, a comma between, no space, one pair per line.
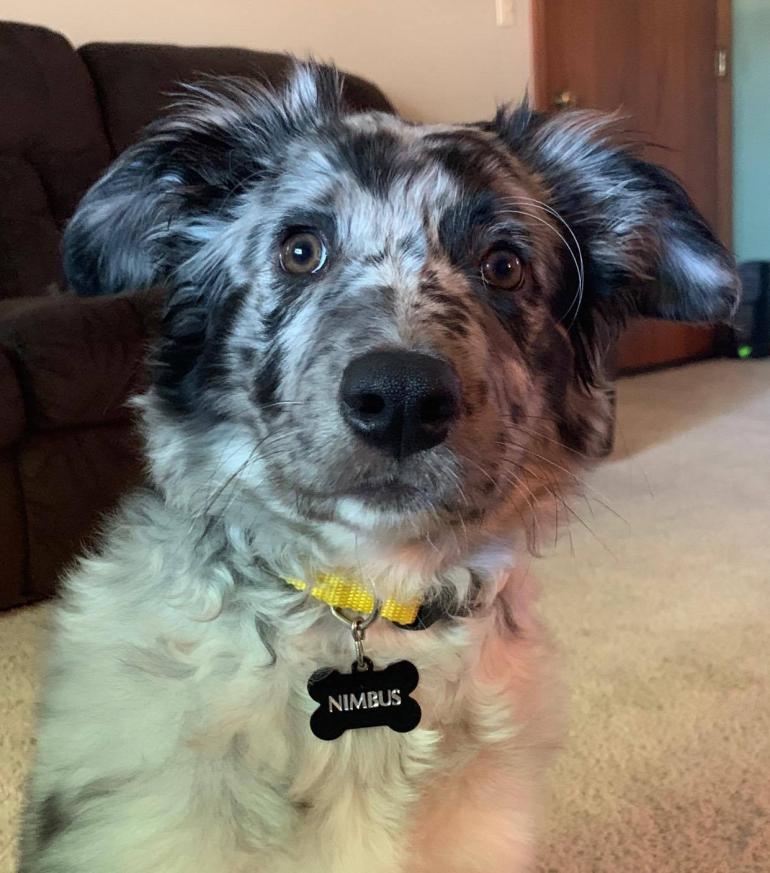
(379,503)
(392,507)
(388,516)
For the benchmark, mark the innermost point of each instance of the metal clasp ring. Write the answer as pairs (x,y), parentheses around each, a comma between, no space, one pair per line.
(363,620)
(358,628)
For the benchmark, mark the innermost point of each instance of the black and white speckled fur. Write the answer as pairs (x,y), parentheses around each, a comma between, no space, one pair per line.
(173,730)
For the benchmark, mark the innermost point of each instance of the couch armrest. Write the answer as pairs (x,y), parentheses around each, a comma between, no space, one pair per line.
(77,360)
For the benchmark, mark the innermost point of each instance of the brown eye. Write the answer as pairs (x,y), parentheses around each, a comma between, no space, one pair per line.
(502,268)
(302,253)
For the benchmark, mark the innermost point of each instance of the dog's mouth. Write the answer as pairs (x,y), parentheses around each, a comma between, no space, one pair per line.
(385,492)
(427,484)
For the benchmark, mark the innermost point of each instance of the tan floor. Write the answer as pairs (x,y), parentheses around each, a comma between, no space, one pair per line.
(663,620)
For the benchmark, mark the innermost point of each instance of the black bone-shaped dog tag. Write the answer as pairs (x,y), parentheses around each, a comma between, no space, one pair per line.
(364,698)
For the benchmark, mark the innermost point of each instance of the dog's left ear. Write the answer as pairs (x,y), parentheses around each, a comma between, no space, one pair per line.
(647,248)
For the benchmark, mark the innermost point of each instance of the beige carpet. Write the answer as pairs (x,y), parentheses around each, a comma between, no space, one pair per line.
(662,613)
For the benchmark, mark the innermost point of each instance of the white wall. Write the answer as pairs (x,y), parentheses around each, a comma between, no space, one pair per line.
(436,59)
(751,107)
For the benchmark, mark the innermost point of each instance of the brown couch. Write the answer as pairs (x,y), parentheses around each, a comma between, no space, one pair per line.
(67,445)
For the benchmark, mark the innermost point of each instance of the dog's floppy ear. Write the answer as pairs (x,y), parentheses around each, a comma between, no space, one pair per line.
(176,188)
(646,246)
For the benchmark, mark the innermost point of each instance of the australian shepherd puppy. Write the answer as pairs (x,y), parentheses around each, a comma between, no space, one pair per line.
(381,359)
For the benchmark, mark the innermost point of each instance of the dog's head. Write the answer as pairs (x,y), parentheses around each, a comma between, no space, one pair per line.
(378,324)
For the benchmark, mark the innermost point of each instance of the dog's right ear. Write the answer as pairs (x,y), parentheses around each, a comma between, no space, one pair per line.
(179,186)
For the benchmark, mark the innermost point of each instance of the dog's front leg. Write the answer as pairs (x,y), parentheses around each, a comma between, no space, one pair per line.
(479,812)
(477,819)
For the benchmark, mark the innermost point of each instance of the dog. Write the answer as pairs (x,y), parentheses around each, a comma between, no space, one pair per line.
(381,363)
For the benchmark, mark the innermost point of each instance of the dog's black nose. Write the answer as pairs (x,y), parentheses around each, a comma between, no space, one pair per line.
(401,402)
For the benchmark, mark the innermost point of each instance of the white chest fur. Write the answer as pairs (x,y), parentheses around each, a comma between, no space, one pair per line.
(182,744)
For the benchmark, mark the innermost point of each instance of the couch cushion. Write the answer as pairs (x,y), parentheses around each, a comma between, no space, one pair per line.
(78,360)
(52,147)
(134,81)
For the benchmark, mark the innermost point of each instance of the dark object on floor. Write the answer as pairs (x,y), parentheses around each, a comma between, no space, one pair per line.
(67,446)
(749,336)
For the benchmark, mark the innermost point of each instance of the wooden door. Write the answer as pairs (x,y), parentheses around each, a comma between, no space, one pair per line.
(658,62)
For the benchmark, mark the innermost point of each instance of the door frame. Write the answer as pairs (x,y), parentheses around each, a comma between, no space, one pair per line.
(723,109)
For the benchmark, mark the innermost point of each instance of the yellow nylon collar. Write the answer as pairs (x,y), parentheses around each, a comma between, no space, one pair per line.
(341,593)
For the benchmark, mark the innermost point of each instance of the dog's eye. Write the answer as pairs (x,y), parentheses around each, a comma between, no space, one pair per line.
(502,268)
(303,252)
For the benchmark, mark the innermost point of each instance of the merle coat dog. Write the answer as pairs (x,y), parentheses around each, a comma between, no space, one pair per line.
(382,356)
